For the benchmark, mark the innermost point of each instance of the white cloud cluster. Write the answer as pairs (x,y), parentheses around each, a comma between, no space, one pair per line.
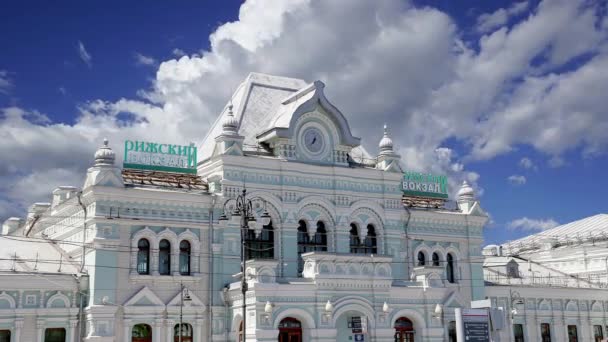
(527,224)
(527,163)
(382,61)
(517,179)
(489,21)
(84,55)
(141,59)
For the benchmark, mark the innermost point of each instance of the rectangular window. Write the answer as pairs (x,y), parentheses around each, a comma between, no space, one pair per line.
(572,333)
(54,335)
(598,334)
(518,333)
(545,332)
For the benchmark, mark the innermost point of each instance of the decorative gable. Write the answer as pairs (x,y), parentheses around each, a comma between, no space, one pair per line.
(145,297)
(194,300)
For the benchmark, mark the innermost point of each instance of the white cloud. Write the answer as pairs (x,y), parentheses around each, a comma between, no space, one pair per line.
(489,21)
(517,179)
(527,224)
(6,84)
(510,90)
(527,163)
(177,52)
(85,56)
(62,90)
(144,60)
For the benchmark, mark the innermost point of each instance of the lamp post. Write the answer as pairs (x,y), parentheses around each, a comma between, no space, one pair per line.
(243,207)
(181,309)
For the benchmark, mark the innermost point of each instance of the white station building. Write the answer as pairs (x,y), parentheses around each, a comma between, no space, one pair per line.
(334,252)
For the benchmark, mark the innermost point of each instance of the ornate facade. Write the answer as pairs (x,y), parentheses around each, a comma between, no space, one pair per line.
(341,257)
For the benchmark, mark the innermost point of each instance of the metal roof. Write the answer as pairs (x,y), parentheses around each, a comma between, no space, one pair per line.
(593,228)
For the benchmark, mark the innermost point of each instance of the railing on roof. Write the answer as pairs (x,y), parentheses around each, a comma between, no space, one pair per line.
(493,277)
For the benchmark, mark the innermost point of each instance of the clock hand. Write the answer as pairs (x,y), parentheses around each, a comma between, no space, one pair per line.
(313,141)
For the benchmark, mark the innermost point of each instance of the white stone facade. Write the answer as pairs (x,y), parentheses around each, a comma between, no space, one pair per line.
(147,246)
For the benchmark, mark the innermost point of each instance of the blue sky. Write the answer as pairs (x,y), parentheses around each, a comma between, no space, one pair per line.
(468,88)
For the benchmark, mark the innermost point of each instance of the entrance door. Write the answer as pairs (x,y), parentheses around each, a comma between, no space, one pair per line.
(290,330)
(404,330)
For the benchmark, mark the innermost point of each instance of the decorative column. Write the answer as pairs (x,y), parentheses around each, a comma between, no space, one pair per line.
(20,299)
(126,330)
(18,327)
(175,260)
(158,325)
(40,330)
(198,329)
(154,263)
(169,324)
(73,325)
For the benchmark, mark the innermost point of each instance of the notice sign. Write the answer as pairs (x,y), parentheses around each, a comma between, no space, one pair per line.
(425,185)
(145,155)
(472,325)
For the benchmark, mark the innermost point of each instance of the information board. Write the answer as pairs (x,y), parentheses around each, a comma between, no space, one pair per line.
(472,325)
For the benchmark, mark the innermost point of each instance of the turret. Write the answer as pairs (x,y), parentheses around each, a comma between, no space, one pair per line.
(387,159)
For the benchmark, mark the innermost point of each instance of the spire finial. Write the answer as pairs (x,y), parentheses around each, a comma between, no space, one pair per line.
(386,144)
(104,154)
(105,142)
(230,124)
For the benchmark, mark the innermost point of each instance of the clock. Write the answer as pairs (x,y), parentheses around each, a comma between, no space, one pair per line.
(313,140)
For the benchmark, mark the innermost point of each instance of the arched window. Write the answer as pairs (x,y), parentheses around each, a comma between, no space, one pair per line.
(435,259)
(240,332)
(355,241)
(452,331)
(318,243)
(320,238)
(421,258)
(371,241)
(290,329)
(186,332)
(164,257)
(450,268)
(54,335)
(143,256)
(262,246)
(404,330)
(184,257)
(141,333)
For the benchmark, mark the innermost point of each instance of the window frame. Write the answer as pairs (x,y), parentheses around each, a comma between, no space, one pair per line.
(143,252)
(185,258)
(164,255)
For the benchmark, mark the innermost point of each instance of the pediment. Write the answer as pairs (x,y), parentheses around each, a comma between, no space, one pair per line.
(145,297)
(454,300)
(195,301)
(477,211)
(309,99)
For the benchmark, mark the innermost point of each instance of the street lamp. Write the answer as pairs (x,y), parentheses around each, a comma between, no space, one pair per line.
(186,298)
(244,208)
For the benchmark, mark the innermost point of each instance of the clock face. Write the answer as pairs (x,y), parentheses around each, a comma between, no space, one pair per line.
(313,140)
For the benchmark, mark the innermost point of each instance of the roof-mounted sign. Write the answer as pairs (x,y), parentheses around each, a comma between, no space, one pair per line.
(143,155)
(417,184)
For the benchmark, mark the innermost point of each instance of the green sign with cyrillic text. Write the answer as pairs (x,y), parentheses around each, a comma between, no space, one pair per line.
(143,155)
(425,185)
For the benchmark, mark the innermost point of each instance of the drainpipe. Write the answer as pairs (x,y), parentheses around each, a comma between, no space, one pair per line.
(407,239)
(84,231)
(211,273)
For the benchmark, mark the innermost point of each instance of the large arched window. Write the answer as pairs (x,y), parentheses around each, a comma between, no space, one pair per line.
(290,329)
(404,330)
(450,268)
(184,257)
(421,258)
(185,331)
(367,245)
(164,257)
(262,246)
(435,259)
(143,256)
(306,244)
(371,240)
(355,241)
